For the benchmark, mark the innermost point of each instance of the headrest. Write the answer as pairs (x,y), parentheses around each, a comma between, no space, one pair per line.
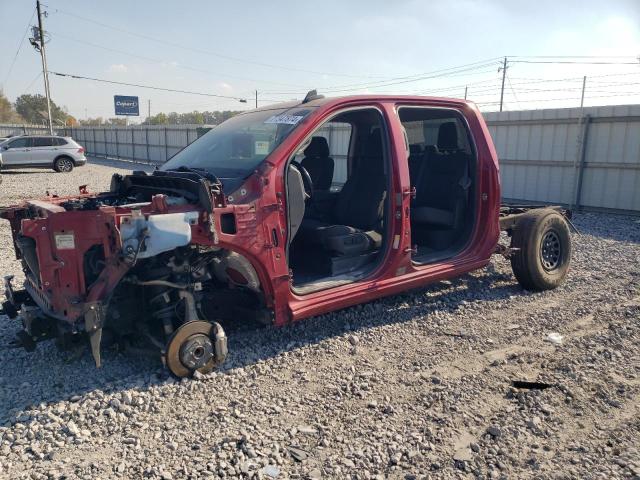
(373,147)
(415,149)
(448,136)
(317,148)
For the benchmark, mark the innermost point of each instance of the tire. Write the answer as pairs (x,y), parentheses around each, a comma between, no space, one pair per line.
(63,164)
(544,250)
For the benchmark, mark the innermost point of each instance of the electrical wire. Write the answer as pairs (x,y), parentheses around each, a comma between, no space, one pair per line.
(165,62)
(208,52)
(13,62)
(80,77)
(26,90)
(450,71)
(637,62)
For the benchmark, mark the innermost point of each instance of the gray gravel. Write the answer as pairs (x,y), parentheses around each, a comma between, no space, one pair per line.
(412,386)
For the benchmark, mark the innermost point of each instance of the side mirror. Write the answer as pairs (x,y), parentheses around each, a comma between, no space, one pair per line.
(5,147)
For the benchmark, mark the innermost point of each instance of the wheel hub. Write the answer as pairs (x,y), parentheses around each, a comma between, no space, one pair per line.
(191,348)
(196,352)
(550,250)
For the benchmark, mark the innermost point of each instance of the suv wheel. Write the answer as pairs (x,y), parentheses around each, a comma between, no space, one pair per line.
(63,164)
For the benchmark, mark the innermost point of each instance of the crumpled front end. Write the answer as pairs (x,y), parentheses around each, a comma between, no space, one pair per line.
(143,261)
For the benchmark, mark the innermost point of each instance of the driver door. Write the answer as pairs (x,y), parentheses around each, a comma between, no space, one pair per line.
(17,153)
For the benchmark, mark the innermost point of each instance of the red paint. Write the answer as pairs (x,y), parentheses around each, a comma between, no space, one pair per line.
(262,211)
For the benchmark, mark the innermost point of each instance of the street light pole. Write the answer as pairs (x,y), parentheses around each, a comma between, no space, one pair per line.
(45,71)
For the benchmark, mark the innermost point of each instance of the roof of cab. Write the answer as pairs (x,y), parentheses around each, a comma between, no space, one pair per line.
(325,101)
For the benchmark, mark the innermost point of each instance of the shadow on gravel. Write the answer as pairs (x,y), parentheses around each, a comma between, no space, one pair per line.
(29,171)
(47,376)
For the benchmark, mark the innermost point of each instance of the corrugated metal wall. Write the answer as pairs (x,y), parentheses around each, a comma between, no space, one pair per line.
(152,144)
(16,129)
(588,157)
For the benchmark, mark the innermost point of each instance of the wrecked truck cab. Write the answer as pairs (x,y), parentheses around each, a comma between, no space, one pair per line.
(275,215)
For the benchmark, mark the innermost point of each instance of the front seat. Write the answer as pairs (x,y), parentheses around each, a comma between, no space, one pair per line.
(317,162)
(442,183)
(359,209)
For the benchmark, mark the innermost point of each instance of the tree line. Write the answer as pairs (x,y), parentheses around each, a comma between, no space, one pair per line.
(32,109)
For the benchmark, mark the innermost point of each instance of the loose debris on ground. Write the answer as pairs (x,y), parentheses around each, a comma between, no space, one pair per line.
(469,378)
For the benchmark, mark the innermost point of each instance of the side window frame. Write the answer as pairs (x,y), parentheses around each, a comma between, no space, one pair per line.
(29,143)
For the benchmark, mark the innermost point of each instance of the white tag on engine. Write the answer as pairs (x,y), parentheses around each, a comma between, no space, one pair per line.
(65,241)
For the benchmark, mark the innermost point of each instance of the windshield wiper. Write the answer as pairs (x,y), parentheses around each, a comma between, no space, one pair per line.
(202,172)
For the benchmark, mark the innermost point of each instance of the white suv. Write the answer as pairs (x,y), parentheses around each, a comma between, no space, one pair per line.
(26,151)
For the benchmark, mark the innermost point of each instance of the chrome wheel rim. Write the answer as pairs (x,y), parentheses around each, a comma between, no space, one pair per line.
(550,250)
(64,165)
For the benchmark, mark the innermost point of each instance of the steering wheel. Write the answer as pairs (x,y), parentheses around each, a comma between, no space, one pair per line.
(306,178)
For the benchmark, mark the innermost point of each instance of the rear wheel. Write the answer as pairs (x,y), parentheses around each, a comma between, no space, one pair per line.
(63,164)
(543,254)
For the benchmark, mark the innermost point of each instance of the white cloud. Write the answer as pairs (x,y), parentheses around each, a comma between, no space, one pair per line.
(225,86)
(118,68)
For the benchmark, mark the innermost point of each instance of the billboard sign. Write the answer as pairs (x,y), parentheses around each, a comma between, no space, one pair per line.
(126,105)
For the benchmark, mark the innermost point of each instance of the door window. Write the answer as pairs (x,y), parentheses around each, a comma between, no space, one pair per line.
(442,166)
(20,143)
(59,141)
(43,142)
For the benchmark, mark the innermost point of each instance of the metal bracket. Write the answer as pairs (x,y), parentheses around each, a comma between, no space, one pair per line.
(506,252)
(93,321)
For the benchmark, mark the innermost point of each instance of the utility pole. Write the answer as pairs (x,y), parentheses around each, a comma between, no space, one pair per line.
(584,86)
(504,76)
(45,71)
(465,92)
(149,110)
(256,98)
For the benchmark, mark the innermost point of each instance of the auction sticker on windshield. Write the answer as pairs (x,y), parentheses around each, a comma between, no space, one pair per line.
(262,147)
(285,119)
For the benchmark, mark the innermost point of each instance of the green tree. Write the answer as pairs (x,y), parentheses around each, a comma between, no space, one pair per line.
(92,121)
(33,109)
(116,121)
(7,112)
(159,119)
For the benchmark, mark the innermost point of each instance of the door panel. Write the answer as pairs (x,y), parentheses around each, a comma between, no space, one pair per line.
(42,152)
(18,153)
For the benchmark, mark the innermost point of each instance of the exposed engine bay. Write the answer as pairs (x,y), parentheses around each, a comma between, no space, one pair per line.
(141,264)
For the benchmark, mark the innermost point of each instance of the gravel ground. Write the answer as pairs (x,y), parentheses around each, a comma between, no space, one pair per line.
(412,386)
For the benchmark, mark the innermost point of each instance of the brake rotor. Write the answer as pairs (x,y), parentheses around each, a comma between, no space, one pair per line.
(191,348)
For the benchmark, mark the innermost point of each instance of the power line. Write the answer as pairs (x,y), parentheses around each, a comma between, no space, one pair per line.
(575,62)
(208,52)
(571,56)
(243,100)
(450,71)
(26,90)
(165,62)
(19,47)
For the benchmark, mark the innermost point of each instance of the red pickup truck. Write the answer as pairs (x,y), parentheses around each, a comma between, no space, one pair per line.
(275,215)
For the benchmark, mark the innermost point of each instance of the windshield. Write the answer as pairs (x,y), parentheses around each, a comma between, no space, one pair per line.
(233,149)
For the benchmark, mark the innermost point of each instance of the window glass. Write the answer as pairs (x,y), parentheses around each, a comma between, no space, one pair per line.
(422,129)
(42,142)
(57,141)
(20,143)
(338,135)
(237,146)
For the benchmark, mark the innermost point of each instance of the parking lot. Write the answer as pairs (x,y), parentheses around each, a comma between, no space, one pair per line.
(410,386)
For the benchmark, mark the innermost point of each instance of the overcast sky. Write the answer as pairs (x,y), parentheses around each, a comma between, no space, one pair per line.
(284,48)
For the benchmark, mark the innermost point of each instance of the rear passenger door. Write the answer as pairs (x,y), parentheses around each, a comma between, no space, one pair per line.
(42,152)
(17,152)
